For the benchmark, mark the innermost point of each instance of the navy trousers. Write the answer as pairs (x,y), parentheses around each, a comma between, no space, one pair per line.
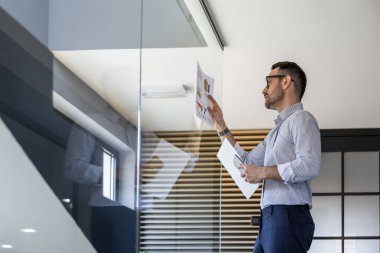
(285,229)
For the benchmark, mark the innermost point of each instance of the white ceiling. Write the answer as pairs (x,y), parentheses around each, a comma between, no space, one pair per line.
(336,42)
(164,60)
(115,76)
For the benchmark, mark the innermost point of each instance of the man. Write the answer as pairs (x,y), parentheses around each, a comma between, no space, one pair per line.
(286,161)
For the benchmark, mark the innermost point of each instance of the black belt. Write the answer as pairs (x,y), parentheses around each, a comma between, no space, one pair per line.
(288,207)
(255,221)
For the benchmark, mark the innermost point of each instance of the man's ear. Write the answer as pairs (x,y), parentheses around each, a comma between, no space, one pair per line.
(286,82)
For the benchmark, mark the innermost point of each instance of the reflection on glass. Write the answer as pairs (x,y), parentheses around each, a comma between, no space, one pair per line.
(29,204)
(55,101)
(73,114)
(109,175)
(180,175)
(91,165)
(166,172)
(169,24)
(361,216)
(178,200)
(361,171)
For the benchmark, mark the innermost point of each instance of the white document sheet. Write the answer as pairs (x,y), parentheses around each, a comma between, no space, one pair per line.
(226,156)
(205,87)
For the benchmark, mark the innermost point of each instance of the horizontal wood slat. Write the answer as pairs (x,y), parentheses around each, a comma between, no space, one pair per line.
(189,202)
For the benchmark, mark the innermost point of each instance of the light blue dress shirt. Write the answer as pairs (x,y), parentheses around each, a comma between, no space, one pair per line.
(294,145)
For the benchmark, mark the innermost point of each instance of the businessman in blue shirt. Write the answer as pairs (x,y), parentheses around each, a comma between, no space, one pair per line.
(286,161)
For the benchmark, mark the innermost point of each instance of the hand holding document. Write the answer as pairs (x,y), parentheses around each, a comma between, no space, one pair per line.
(230,160)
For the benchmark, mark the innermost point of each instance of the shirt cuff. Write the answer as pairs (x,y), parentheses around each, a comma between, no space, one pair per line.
(286,172)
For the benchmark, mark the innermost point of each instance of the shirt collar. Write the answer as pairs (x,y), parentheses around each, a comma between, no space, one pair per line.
(287,112)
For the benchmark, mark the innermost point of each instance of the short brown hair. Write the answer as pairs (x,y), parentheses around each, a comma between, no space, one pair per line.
(295,72)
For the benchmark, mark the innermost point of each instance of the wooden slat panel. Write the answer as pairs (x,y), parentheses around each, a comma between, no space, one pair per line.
(188,206)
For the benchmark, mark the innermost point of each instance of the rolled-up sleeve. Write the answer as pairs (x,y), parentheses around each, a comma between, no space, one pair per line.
(307,145)
(255,156)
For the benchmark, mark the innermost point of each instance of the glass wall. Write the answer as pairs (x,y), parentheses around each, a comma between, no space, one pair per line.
(180,173)
(346,203)
(72,120)
(69,106)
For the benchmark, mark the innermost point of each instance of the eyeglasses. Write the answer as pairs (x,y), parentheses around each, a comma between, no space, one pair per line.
(273,76)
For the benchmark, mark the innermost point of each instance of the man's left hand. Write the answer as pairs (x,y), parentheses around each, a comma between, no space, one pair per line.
(256,174)
(252,173)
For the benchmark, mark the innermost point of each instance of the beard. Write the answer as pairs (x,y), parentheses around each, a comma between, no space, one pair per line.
(275,100)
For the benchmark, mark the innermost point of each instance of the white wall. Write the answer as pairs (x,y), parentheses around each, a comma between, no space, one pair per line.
(336,42)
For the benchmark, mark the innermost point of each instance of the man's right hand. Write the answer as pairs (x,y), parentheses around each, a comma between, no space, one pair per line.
(216,114)
(218,122)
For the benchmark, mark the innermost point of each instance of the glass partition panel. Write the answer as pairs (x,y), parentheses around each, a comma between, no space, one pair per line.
(180,173)
(327,215)
(69,106)
(361,171)
(330,178)
(361,216)
(326,246)
(361,246)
